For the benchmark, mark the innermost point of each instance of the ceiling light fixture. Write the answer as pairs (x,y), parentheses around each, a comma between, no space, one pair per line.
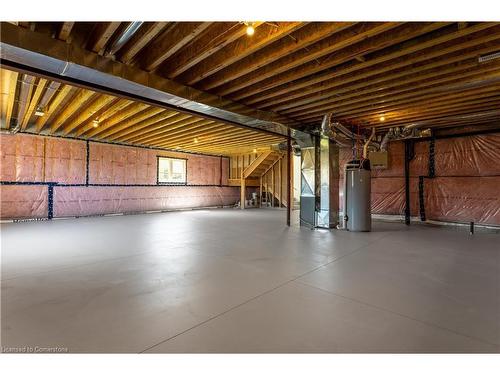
(39,112)
(254,150)
(195,140)
(382,118)
(95,123)
(250,28)
(493,56)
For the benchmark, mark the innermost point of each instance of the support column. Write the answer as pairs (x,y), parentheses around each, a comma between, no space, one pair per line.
(260,192)
(288,180)
(242,192)
(409,154)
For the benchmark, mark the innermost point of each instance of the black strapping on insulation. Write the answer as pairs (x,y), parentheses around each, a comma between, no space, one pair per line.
(87,162)
(50,200)
(421,197)
(432,164)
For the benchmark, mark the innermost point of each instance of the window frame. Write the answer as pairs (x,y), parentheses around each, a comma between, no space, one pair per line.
(158,157)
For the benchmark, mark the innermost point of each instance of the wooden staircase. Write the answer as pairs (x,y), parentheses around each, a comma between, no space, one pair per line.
(262,170)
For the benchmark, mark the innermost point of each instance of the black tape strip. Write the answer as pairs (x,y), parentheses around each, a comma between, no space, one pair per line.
(421,197)
(432,162)
(50,211)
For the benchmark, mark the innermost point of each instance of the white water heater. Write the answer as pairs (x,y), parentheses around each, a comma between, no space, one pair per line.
(357,190)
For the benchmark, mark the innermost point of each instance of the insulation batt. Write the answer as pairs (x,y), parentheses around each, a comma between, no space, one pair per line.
(465,188)
(31,158)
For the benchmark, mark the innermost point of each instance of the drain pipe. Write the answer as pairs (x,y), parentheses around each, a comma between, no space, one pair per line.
(365,147)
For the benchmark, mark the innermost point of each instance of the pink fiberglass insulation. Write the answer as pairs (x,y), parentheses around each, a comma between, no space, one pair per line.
(113,164)
(476,155)
(21,157)
(82,201)
(225,170)
(463,199)
(23,201)
(65,161)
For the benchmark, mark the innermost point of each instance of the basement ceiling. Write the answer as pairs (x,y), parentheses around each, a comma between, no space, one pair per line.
(367,74)
(38,105)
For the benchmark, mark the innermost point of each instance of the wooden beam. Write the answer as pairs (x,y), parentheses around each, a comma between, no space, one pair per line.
(77,103)
(273,189)
(118,106)
(138,117)
(237,182)
(90,113)
(348,47)
(146,34)
(320,50)
(33,103)
(100,36)
(65,31)
(54,106)
(391,89)
(216,37)
(311,84)
(339,88)
(302,38)
(239,49)
(255,164)
(260,192)
(169,42)
(126,132)
(439,85)
(11,97)
(242,192)
(128,112)
(162,129)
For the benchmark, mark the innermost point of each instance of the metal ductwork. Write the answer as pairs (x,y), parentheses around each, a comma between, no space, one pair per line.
(23,101)
(406,132)
(124,38)
(24,50)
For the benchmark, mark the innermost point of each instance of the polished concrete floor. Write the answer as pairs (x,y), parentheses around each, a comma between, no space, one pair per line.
(241,281)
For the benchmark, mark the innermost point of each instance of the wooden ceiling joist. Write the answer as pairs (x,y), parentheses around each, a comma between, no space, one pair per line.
(146,33)
(302,38)
(169,42)
(287,72)
(315,55)
(239,49)
(102,33)
(397,34)
(9,101)
(65,30)
(214,39)
(336,88)
(385,62)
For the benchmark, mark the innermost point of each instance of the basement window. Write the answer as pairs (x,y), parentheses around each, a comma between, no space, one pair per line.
(172,171)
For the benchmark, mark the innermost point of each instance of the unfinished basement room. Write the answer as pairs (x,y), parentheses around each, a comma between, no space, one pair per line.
(250,187)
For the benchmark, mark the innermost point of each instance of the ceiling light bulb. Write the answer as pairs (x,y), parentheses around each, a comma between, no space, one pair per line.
(39,112)
(254,150)
(382,118)
(250,29)
(95,123)
(195,140)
